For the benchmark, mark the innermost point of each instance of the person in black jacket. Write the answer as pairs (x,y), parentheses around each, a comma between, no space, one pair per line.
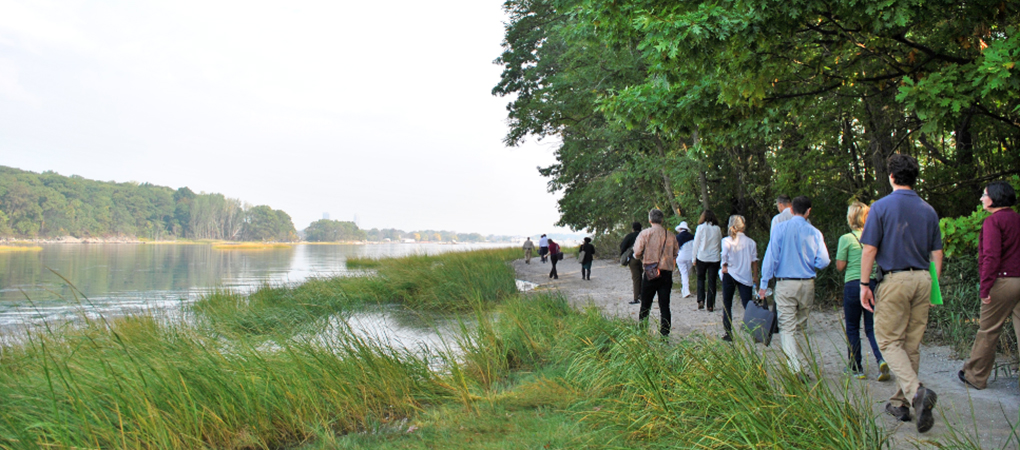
(589,255)
(635,264)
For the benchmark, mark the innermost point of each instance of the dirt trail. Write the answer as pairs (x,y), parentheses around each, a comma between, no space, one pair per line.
(984,416)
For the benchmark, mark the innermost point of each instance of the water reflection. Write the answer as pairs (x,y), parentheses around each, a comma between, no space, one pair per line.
(125,279)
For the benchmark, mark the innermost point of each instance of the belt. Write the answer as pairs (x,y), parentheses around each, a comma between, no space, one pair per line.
(908,269)
(793,279)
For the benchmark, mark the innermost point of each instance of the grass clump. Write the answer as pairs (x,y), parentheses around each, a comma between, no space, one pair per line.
(19,248)
(251,246)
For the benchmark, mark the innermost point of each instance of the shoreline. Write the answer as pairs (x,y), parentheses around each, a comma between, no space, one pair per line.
(138,241)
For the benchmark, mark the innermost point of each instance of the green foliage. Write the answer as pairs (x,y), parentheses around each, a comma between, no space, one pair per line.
(326,230)
(51,205)
(960,234)
(724,105)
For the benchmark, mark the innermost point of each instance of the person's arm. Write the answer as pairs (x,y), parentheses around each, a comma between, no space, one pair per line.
(639,245)
(724,258)
(698,237)
(989,258)
(822,256)
(868,254)
(768,264)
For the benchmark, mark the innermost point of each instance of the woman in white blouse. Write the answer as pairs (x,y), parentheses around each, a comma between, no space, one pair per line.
(707,254)
(739,264)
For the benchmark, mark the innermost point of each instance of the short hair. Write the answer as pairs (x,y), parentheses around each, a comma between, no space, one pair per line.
(801,205)
(904,169)
(736,225)
(708,216)
(636,226)
(857,214)
(587,240)
(543,235)
(783,199)
(1001,193)
(656,216)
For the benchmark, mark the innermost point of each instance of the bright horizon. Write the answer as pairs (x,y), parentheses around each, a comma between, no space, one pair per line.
(382,112)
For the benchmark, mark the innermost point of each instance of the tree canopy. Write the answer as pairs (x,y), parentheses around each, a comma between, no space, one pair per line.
(723,105)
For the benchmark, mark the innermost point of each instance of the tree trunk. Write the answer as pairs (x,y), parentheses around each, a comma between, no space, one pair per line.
(879,130)
(667,184)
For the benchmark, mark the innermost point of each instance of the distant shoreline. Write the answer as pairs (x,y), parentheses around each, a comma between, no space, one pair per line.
(137,241)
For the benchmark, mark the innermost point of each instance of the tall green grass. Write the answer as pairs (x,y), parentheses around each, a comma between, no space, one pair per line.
(448,282)
(530,372)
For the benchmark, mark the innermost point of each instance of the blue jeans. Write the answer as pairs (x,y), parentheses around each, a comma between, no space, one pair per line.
(853,311)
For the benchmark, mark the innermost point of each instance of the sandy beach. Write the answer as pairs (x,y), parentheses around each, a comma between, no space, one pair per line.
(985,416)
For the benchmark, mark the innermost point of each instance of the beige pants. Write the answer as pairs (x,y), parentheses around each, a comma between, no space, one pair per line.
(793,299)
(1005,304)
(527,255)
(901,316)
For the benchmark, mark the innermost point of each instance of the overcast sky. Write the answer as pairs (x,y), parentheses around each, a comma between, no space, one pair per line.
(376,109)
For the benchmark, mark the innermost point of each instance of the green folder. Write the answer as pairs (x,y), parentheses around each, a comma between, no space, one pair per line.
(936,292)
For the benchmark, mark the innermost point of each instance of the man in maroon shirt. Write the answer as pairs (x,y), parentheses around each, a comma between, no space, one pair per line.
(999,266)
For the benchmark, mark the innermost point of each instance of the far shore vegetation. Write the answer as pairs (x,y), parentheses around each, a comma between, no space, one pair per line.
(50,207)
(278,368)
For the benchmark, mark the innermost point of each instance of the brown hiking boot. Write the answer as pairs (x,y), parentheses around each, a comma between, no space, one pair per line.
(924,402)
(899,412)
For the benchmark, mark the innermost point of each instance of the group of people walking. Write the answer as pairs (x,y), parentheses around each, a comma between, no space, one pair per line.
(548,250)
(888,258)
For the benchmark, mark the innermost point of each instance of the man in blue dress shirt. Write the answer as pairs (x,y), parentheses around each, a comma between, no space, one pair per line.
(796,251)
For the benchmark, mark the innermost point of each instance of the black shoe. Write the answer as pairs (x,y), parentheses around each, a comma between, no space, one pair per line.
(727,338)
(963,378)
(701,305)
(634,302)
(924,402)
(711,309)
(899,412)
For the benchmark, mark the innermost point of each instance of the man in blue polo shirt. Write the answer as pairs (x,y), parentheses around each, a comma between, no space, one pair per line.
(902,235)
(796,251)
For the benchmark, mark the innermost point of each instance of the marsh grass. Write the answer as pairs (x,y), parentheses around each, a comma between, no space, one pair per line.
(19,248)
(251,246)
(531,372)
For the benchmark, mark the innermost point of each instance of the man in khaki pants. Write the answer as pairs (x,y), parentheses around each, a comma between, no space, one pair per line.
(902,235)
(796,251)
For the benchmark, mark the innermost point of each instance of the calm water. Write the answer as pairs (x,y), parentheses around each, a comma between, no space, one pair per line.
(121,279)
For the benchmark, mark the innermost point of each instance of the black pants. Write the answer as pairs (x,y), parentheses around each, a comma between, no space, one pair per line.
(706,292)
(553,260)
(661,286)
(729,285)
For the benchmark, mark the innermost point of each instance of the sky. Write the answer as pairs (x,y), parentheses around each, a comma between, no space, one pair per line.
(376,110)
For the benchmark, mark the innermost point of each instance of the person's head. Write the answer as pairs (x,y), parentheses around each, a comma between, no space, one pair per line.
(801,206)
(903,170)
(856,215)
(736,225)
(551,241)
(528,238)
(543,235)
(783,202)
(708,217)
(587,240)
(998,194)
(655,216)
(636,226)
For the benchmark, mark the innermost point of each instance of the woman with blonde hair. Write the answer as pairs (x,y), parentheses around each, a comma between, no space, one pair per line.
(848,257)
(739,261)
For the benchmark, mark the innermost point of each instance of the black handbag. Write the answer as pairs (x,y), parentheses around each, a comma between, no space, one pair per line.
(652,271)
(761,322)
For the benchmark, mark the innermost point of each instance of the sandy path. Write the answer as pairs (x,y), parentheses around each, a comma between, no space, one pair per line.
(985,416)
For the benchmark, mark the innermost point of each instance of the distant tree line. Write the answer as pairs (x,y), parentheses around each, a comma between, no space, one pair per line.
(336,231)
(50,205)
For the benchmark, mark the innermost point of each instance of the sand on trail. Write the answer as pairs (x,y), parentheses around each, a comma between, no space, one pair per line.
(986,417)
